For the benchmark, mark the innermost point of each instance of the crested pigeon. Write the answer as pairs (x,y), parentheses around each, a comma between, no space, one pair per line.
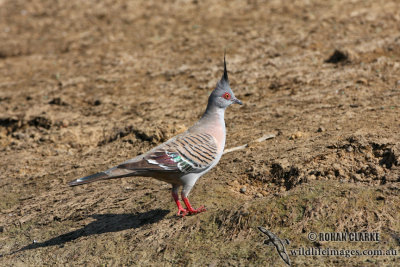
(184,158)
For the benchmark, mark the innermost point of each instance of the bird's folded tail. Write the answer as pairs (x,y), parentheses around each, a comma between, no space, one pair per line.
(109,174)
(89,179)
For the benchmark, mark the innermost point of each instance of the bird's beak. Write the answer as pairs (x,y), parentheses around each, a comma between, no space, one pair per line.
(237,101)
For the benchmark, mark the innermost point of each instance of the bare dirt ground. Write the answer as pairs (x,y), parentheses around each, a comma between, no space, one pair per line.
(85,85)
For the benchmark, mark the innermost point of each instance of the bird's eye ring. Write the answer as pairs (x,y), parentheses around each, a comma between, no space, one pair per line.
(226,95)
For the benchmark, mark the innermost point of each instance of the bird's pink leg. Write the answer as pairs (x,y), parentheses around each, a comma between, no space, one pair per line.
(181,211)
(189,207)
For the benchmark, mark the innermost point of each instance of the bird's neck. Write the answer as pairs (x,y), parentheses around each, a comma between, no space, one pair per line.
(214,113)
(213,123)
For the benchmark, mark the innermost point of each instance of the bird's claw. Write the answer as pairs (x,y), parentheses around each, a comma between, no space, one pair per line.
(195,211)
(182,212)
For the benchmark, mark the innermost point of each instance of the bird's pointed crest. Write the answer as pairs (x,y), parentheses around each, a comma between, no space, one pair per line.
(225,76)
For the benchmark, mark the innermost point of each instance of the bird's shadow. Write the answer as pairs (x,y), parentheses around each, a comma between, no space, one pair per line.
(104,223)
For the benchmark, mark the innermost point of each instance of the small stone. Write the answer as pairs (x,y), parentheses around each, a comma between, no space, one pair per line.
(356,177)
(330,177)
(336,166)
(312,177)
(321,129)
(378,170)
(19,136)
(243,190)
(349,149)
(296,135)
(57,101)
(362,81)
(64,123)
(259,195)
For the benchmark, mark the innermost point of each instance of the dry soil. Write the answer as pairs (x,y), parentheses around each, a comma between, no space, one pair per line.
(85,85)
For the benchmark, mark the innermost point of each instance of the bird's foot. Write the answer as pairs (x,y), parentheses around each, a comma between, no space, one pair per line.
(195,211)
(189,207)
(182,212)
(189,210)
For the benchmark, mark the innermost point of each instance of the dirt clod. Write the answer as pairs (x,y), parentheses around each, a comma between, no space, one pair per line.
(40,121)
(338,57)
(57,101)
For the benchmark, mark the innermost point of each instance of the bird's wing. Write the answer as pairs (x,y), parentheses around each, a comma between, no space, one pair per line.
(187,153)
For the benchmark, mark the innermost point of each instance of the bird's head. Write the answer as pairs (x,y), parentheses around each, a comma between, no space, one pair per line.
(222,96)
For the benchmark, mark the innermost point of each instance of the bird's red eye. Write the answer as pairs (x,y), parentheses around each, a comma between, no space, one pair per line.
(226,95)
